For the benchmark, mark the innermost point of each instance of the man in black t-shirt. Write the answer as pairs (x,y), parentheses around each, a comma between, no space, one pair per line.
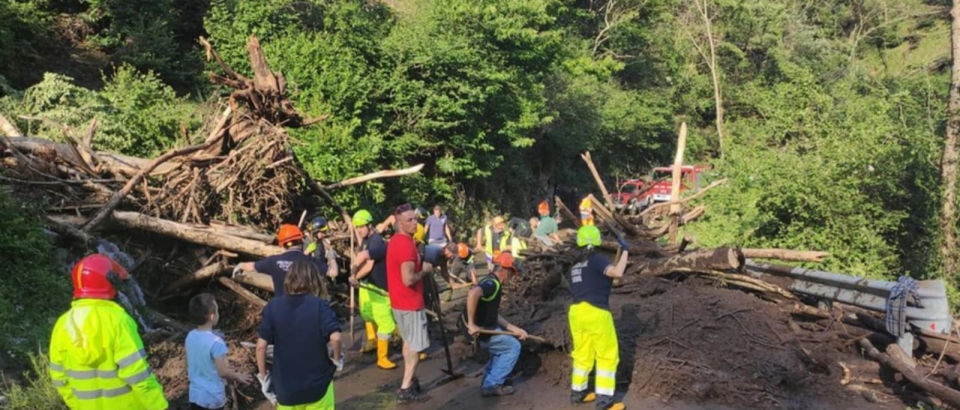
(483,305)
(591,322)
(370,275)
(291,239)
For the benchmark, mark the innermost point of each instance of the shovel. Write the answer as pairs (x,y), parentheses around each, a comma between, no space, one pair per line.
(435,298)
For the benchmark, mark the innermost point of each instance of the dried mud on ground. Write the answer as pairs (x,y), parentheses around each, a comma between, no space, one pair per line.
(683,345)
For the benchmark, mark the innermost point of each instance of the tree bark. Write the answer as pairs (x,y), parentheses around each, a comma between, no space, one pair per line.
(206,237)
(205,272)
(785,254)
(705,259)
(257,280)
(245,294)
(948,163)
(675,185)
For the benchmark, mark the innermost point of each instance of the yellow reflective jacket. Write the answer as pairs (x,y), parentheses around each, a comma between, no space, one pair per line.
(97,360)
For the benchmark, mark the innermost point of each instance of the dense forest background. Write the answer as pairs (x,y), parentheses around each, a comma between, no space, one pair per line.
(830,128)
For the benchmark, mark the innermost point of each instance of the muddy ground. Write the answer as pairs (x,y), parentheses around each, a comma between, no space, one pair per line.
(684,344)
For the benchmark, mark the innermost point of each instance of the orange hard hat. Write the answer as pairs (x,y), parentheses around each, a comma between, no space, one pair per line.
(505,261)
(463,251)
(544,208)
(93,277)
(288,233)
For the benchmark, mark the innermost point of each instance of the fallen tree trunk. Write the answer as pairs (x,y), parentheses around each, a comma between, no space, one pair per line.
(255,279)
(948,395)
(245,294)
(785,254)
(205,272)
(195,235)
(718,259)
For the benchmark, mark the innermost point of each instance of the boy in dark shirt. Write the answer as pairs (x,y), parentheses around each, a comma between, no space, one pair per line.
(306,336)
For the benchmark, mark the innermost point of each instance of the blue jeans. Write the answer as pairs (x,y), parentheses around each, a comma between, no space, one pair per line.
(504,351)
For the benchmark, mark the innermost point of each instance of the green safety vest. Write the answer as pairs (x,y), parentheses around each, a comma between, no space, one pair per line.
(97,360)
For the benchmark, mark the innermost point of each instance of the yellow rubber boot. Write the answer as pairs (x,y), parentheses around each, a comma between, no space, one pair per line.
(383,347)
(371,339)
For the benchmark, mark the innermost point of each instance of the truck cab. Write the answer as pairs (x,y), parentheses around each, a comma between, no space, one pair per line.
(691,179)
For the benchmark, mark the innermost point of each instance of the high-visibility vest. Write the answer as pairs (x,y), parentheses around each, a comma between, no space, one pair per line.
(97,360)
(488,241)
(516,245)
(420,235)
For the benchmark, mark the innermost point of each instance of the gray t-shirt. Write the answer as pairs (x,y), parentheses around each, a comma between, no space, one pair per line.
(435,228)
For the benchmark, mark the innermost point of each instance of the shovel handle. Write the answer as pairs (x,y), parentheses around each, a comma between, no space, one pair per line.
(503,332)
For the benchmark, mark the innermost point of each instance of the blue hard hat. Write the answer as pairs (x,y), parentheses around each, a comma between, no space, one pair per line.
(318,224)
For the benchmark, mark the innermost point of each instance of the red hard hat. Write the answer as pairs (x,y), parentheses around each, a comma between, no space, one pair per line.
(288,233)
(92,277)
(463,251)
(505,261)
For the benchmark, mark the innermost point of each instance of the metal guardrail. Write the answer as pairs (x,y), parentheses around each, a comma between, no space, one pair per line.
(932,315)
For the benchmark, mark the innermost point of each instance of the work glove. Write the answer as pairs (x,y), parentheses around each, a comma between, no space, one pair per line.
(265,388)
(338,362)
(623,244)
(237,271)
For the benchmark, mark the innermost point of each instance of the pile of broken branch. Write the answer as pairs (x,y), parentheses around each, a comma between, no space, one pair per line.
(237,181)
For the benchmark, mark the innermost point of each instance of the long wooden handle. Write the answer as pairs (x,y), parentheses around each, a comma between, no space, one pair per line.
(502,332)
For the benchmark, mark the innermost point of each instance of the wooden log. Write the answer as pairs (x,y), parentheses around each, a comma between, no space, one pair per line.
(133,181)
(675,185)
(785,254)
(238,231)
(948,395)
(375,175)
(566,211)
(8,128)
(205,272)
(693,214)
(257,280)
(665,205)
(194,235)
(245,294)
(706,259)
(596,177)
(115,163)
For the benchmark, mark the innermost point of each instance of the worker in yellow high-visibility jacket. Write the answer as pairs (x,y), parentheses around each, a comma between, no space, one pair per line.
(97,360)
(591,323)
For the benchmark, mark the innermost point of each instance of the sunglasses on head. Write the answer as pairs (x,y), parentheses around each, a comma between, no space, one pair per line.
(402,208)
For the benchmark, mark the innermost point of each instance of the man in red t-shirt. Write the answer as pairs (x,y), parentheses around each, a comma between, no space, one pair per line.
(404,280)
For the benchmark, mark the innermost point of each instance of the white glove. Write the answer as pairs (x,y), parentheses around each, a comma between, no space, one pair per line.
(265,388)
(237,271)
(331,254)
(338,363)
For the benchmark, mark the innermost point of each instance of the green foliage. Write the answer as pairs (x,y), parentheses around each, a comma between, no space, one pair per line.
(24,35)
(833,110)
(34,289)
(39,391)
(137,114)
(142,33)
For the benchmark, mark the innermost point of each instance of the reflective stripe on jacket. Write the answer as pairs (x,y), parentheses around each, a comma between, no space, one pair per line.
(97,360)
